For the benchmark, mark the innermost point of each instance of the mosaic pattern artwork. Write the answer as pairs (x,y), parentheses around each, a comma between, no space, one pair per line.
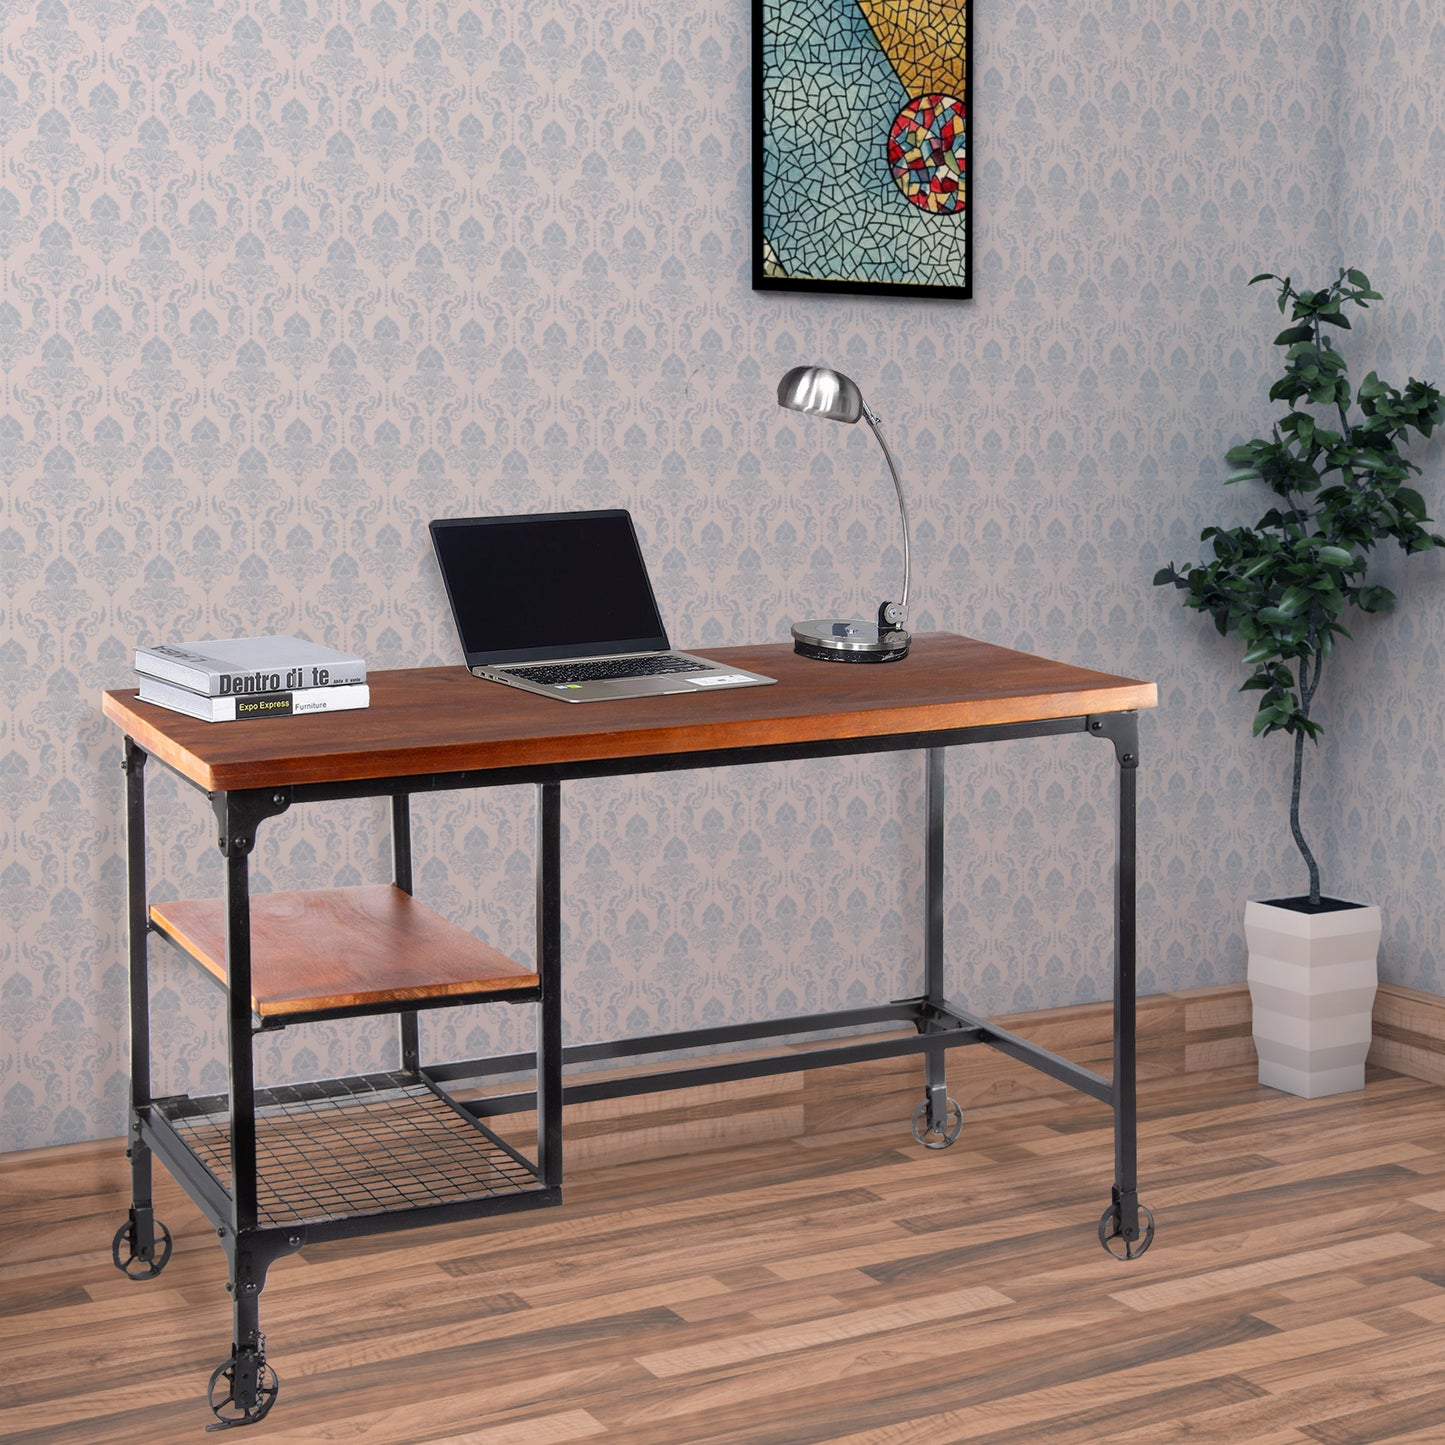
(928,151)
(860,166)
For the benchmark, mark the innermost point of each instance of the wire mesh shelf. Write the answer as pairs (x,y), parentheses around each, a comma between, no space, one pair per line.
(366,1145)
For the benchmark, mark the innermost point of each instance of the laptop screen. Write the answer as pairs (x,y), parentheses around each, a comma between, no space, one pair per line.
(550,585)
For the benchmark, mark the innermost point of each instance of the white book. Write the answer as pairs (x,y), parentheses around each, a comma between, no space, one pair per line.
(236,708)
(226,667)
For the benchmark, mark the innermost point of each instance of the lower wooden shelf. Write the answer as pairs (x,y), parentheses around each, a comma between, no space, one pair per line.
(369,1145)
(344,949)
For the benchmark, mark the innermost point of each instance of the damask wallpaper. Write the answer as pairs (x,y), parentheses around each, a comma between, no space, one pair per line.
(1384,758)
(282,279)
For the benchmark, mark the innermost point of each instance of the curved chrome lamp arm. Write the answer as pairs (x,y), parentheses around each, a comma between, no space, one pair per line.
(893,614)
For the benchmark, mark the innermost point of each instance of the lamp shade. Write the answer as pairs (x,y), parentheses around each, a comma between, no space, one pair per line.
(820,391)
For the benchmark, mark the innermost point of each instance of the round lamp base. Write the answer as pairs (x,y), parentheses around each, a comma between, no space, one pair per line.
(840,641)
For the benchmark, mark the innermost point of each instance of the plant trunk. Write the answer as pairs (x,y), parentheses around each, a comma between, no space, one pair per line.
(1299,837)
(1309,680)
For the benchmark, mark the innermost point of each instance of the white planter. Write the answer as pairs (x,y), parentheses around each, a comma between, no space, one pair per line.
(1312,983)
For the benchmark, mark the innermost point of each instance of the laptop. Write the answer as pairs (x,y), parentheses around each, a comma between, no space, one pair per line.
(560,603)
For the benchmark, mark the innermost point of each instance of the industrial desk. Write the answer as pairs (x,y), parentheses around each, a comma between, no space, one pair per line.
(275,1168)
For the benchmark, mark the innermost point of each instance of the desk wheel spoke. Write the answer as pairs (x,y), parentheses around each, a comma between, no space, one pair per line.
(141,1248)
(1122,1243)
(941,1133)
(242,1389)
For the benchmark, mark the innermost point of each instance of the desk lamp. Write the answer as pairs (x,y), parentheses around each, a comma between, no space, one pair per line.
(820,391)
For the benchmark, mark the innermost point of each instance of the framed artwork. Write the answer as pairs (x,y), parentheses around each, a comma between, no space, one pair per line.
(861,117)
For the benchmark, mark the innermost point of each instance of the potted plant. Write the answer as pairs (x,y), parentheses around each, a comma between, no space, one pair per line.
(1338,482)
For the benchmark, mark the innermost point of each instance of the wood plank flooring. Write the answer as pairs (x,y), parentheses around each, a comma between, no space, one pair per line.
(841,1285)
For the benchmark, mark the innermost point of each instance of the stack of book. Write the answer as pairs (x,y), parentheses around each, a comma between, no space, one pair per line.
(230,679)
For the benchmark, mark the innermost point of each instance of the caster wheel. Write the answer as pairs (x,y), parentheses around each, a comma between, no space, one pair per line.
(221,1393)
(1112,1237)
(937,1138)
(131,1264)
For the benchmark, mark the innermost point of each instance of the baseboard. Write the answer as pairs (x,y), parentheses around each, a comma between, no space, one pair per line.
(1178,1033)
(1409,1033)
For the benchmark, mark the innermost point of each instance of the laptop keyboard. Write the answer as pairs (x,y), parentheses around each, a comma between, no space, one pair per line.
(606,667)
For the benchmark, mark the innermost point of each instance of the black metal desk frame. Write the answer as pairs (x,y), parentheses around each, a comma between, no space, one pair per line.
(244,1386)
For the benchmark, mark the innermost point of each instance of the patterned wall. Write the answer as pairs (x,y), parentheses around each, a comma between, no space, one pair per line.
(280,280)
(1385,758)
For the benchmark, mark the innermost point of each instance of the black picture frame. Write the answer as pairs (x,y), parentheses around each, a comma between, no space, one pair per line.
(853,191)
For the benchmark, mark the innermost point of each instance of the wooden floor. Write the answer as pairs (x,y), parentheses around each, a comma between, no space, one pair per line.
(844,1286)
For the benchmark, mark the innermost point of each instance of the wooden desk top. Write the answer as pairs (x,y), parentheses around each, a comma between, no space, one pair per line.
(442,719)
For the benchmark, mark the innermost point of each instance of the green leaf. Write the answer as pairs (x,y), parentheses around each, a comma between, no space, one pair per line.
(1292,334)
(1263,723)
(1412,502)
(1335,556)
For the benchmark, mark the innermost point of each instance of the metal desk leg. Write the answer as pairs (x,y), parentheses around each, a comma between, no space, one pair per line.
(938,1119)
(401,873)
(236,841)
(549,968)
(142,1245)
(243,1388)
(250,1384)
(1127,1227)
